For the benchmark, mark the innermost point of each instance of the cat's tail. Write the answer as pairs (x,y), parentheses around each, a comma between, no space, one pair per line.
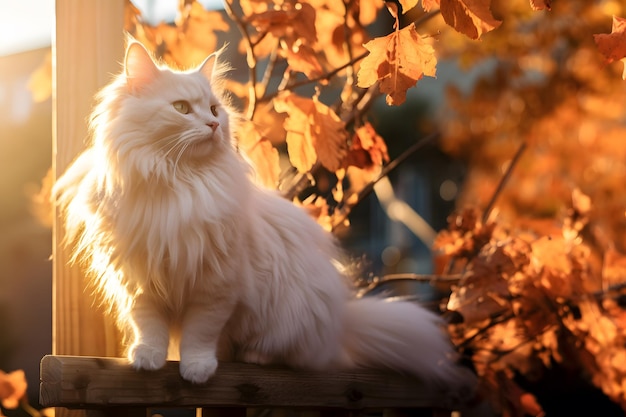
(403,336)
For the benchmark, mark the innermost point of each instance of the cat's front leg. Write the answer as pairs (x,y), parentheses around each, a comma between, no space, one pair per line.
(151,335)
(201,331)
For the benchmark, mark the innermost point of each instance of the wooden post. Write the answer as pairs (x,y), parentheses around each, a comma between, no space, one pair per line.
(88,47)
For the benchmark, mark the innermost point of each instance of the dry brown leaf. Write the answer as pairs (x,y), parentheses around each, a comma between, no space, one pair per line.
(470,17)
(613,45)
(397,61)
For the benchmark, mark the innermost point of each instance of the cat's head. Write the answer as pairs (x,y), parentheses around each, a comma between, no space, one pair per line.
(154,120)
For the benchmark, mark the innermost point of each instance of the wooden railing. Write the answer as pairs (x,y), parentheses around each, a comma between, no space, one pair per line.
(113,388)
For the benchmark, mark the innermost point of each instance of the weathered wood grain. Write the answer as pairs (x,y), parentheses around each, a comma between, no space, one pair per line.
(95,382)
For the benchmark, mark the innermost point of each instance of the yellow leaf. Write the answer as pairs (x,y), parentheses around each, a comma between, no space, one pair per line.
(314,132)
(397,61)
(263,156)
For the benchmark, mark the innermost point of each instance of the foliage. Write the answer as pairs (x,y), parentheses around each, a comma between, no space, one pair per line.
(13,393)
(314,71)
(538,255)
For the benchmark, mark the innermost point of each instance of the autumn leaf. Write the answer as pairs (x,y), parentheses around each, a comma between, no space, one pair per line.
(40,82)
(12,388)
(577,215)
(613,45)
(262,154)
(250,7)
(368,150)
(293,21)
(408,5)
(314,132)
(294,24)
(185,44)
(613,267)
(397,61)
(469,17)
(429,5)
(541,4)
(302,58)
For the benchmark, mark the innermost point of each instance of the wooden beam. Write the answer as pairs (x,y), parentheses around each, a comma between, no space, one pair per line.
(88,47)
(95,382)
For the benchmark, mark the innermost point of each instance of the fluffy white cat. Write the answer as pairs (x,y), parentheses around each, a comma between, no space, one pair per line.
(162,212)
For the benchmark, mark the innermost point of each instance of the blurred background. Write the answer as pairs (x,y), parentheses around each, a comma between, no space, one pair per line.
(25,157)
(539,79)
(26,29)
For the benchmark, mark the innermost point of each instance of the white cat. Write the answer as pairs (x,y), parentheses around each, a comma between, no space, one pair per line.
(162,212)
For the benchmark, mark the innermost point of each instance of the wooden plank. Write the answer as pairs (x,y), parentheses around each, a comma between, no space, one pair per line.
(94,382)
(88,47)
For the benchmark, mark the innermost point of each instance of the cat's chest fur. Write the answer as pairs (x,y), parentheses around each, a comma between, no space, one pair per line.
(176,235)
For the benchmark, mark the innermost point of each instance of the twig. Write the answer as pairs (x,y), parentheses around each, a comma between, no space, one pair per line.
(251,58)
(323,77)
(269,69)
(503,181)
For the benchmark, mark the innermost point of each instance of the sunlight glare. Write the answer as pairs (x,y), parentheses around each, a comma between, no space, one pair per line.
(25,25)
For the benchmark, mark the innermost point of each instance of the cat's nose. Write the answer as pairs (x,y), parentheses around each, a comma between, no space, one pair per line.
(213,125)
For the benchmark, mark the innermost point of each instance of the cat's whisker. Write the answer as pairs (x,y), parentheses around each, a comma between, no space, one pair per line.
(183,148)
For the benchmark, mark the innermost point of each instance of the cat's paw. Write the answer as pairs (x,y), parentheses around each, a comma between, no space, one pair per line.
(199,369)
(147,357)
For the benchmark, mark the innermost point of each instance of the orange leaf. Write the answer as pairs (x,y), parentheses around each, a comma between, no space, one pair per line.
(314,132)
(262,154)
(408,5)
(613,267)
(613,45)
(292,20)
(469,17)
(40,82)
(397,61)
(185,44)
(428,5)
(541,4)
(250,7)
(368,150)
(12,388)
(302,58)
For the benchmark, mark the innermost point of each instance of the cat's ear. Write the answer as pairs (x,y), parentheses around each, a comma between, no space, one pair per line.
(139,67)
(208,66)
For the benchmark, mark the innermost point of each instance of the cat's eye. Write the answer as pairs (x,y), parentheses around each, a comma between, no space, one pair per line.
(214,110)
(182,106)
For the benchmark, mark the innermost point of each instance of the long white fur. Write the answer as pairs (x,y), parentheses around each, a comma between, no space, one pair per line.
(161,211)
